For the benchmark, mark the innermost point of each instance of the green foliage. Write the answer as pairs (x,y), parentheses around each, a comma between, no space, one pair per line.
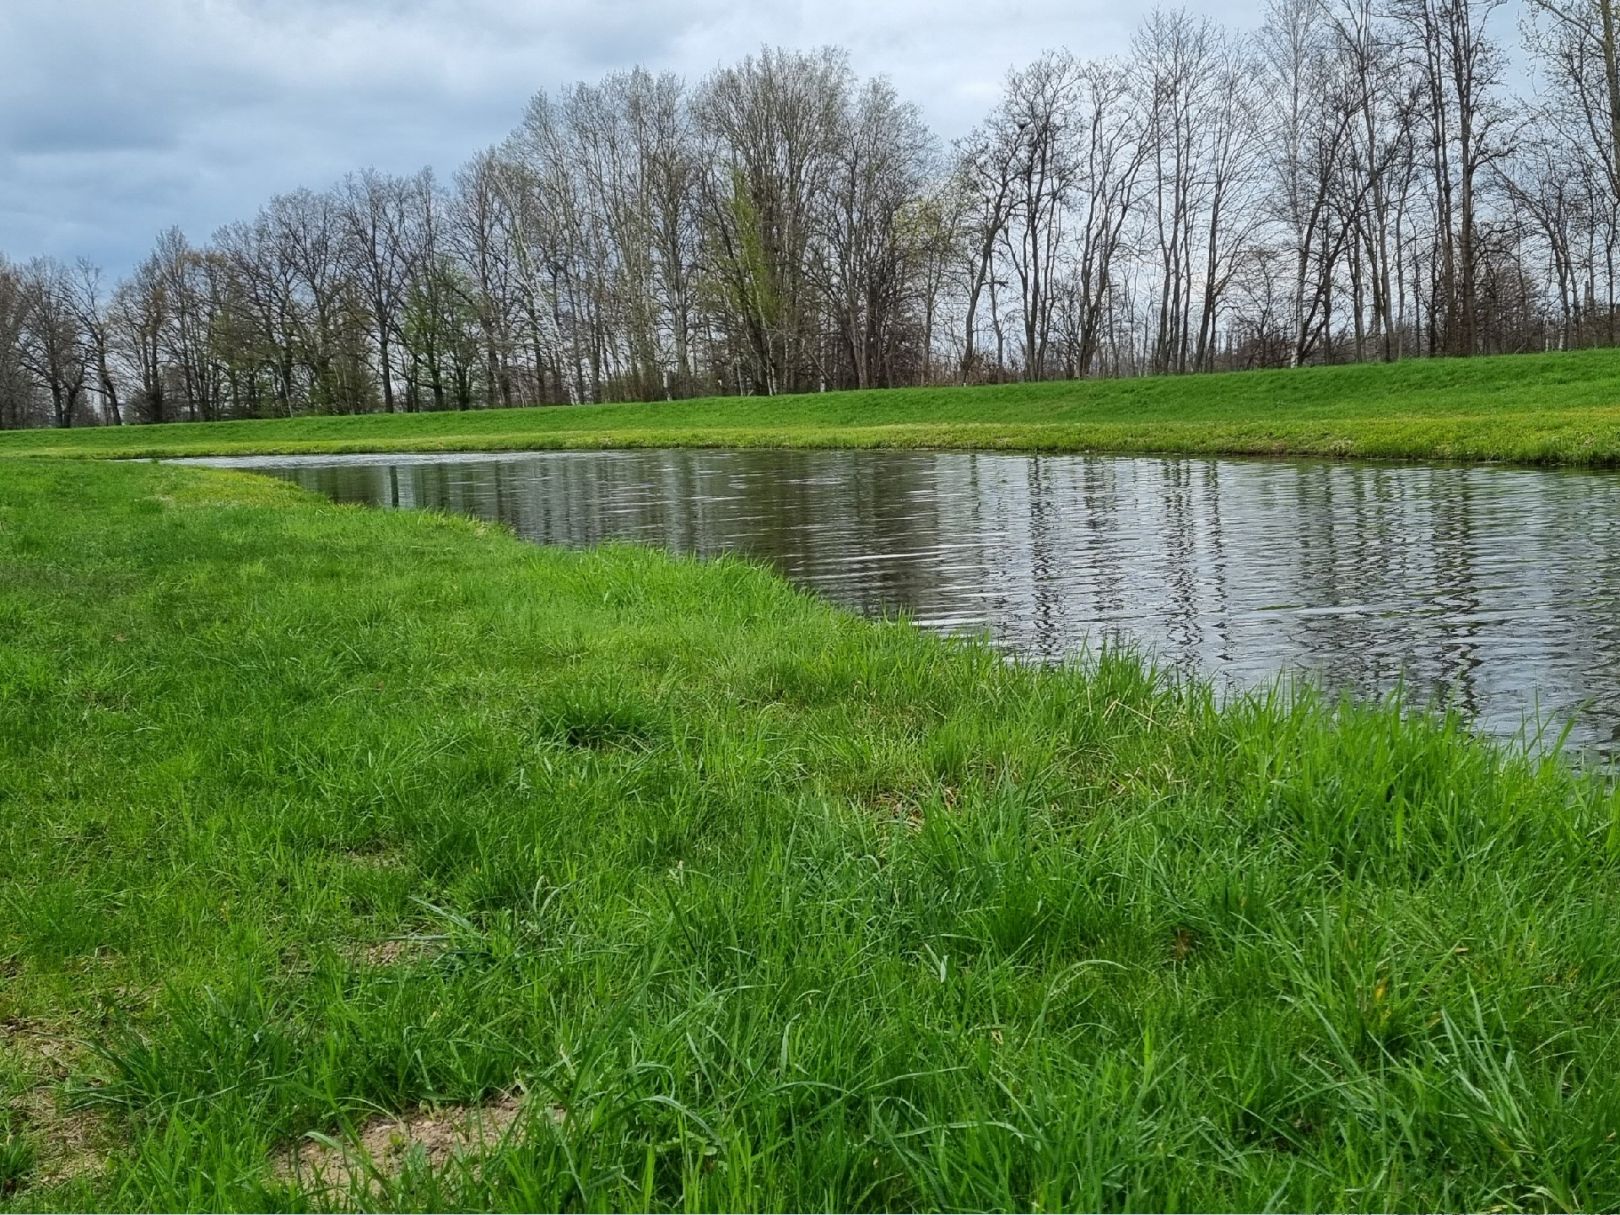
(758,297)
(768,906)
(16,1157)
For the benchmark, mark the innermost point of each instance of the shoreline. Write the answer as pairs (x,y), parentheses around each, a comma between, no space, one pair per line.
(1335,451)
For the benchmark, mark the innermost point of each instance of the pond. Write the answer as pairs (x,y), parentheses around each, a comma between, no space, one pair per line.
(1493,590)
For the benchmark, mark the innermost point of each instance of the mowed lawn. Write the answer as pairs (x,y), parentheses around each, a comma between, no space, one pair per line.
(351,857)
(1552,408)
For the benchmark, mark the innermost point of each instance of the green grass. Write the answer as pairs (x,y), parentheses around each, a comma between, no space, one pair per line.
(762,905)
(1542,409)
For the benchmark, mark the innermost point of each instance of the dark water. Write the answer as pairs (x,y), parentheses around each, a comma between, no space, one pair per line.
(1495,590)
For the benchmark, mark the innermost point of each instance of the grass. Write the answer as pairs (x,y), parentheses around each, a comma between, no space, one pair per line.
(310,813)
(1541,409)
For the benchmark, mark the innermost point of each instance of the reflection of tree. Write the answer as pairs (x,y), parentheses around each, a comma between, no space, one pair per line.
(1045,542)
(1219,610)
(1101,508)
(1179,561)
(1459,597)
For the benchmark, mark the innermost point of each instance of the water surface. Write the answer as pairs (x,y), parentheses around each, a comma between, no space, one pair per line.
(1494,590)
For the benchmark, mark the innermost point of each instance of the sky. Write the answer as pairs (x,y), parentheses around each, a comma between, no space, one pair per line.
(119,118)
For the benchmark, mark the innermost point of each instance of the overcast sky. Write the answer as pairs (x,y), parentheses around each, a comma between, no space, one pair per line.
(120,117)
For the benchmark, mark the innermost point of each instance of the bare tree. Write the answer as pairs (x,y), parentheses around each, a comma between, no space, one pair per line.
(1040,115)
(375,212)
(1461,69)
(52,349)
(770,129)
(16,389)
(987,184)
(1112,152)
(1202,162)
(874,245)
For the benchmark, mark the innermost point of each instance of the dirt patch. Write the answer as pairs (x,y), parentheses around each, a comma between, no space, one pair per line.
(39,1047)
(911,807)
(389,951)
(396,950)
(379,1149)
(382,857)
(68,1142)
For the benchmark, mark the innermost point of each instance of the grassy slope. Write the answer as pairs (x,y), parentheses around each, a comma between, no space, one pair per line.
(1562,408)
(783,908)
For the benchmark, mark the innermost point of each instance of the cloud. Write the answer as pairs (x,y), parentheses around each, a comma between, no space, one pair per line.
(119,118)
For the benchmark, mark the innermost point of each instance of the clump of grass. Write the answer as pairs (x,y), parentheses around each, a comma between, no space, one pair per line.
(16,1157)
(1561,408)
(760,905)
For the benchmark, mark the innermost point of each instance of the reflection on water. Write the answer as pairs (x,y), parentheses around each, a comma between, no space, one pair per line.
(1496,589)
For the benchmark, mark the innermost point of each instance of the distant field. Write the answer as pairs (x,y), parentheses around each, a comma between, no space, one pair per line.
(1540,409)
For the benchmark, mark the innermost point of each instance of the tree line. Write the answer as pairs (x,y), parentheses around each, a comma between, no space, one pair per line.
(1354,180)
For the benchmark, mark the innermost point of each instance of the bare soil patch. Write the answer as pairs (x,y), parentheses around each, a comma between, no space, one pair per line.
(379,1149)
(70,1142)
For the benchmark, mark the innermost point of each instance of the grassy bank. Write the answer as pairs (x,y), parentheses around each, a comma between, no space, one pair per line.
(656,884)
(1544,409)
